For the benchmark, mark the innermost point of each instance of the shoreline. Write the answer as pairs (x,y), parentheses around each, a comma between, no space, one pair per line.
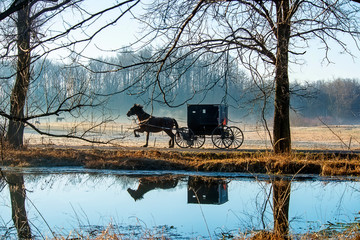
(250,162)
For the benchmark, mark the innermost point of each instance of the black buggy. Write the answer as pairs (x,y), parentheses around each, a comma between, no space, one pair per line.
(208,119)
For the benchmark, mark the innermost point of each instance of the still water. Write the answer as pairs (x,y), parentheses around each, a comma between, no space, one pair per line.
(180,205)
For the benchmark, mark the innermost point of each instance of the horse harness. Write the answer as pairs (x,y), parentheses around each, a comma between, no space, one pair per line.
(145,121)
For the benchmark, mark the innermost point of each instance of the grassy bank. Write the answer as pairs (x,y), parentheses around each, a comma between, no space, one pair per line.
(324,164)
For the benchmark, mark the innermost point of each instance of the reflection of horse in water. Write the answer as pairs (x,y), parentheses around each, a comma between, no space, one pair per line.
(148,123)
(147,184)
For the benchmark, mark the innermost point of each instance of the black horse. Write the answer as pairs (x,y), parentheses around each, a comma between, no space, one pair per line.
(148,123)
(147,184)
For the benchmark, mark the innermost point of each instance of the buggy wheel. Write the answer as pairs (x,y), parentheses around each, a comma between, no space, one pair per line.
(184,137)
(222,137)
(198,141)
(238,138)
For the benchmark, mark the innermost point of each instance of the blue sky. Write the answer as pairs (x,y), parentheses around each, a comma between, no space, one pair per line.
(313,67)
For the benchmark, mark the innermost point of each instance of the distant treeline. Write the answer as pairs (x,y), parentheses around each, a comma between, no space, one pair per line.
(336,101)
(189,81)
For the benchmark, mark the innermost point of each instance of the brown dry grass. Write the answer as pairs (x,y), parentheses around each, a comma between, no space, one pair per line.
(150,159)
(334,137)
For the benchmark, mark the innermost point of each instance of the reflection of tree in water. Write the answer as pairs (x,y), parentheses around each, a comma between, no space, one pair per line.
(274,196)
(2,183)
(91,180)
(17,197)
(281,200)
(280,192)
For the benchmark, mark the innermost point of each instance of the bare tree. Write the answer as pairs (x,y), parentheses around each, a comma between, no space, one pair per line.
(32,43)
(263,36)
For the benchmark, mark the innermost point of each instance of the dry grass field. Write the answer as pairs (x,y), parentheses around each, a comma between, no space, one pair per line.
(334,137)
(123,152)
(324,164)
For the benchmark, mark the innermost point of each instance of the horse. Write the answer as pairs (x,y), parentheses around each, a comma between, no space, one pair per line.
(148,123)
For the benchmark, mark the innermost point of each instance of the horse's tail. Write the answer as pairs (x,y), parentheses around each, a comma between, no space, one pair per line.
(175,124)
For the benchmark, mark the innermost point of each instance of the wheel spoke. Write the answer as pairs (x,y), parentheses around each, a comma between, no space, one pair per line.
(198,141)
(222,137)
(184,137)
(238,137)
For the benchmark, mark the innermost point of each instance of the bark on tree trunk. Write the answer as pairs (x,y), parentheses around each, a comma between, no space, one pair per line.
(19,92)
(281,131)
(281,203)
(18,196)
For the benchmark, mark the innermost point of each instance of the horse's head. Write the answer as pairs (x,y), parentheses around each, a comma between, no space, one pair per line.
(134,110)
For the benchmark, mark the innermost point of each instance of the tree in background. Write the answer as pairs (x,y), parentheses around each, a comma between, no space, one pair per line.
(334,101)
(263,36)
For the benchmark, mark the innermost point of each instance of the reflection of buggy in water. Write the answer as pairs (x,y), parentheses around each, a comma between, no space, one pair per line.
(207,190)
(208,119)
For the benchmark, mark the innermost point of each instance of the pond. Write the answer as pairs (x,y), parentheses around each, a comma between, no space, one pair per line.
(178,205)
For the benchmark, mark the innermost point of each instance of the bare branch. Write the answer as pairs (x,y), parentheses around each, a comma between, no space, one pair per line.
(14,7)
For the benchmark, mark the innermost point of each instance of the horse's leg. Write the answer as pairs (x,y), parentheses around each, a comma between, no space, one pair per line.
(172,136)
(147,139)
(139,130)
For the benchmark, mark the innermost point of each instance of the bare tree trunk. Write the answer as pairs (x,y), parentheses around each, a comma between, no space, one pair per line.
(18,196)
(282,138)
(19,92)
(281,203)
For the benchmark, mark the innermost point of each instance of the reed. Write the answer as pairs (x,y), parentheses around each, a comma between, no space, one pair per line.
(248,162)
(255,235)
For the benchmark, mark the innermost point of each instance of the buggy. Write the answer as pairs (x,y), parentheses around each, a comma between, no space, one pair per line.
(208,120)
